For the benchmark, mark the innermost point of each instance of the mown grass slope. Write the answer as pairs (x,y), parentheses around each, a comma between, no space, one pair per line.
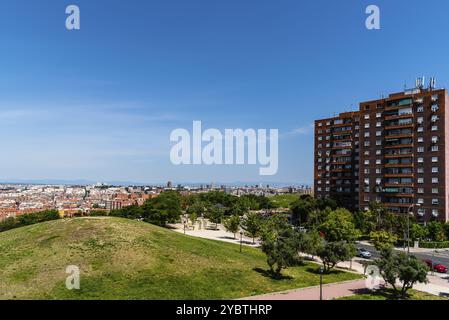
(125,259)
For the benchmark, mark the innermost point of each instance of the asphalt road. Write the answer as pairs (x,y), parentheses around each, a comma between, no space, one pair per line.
(440,256)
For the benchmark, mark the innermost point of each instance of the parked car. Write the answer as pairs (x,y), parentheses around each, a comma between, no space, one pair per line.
(437,266)
(363,253)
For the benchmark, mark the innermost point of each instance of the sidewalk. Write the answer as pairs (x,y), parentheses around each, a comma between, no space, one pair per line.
(438,284)
(221,235)
(413,249)
(330,291)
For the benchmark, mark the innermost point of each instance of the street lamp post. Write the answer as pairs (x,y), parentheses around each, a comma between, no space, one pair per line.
(321,282)
(241,241)
(410,212)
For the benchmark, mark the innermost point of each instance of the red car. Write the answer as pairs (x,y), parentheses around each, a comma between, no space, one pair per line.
(438,267)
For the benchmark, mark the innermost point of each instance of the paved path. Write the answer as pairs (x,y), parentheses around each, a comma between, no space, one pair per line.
(438,284)
(330,291)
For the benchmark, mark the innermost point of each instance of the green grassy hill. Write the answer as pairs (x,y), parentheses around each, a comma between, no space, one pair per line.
(124,259)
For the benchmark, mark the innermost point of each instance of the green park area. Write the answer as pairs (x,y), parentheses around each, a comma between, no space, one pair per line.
(127,259)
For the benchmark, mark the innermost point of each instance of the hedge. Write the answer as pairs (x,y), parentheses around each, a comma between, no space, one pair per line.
(28,219)
(434,245)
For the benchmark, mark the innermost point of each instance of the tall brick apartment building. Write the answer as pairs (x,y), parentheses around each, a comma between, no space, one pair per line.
(394,150)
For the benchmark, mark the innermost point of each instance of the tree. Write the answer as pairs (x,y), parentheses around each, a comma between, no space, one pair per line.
(281,244)
(339,226)
(365,221)
(418,231)
(195,210)
(232,224)
(382,240)
(312,242)
(302,208)
(252,225)
(237,209)
(165,208)
(215,214)
(435,231)
(446,230)
(397,266)
(334,252)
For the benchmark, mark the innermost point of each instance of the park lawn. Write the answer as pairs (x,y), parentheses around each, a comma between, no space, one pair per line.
(284,200)
(387,294)
(126,259)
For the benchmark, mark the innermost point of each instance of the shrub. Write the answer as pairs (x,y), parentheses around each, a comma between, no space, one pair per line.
(434,245)
(28,219)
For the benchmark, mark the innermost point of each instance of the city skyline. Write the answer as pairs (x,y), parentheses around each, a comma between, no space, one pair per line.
(99,103)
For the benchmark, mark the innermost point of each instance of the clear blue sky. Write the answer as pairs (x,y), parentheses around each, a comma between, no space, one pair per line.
(100,103)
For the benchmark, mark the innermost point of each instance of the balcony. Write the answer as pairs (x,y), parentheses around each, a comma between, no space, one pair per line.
(401,205)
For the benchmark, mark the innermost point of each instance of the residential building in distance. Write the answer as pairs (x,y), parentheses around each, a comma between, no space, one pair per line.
(400,154)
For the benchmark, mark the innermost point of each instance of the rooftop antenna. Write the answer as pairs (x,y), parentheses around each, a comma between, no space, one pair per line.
(433,82)
(420,83)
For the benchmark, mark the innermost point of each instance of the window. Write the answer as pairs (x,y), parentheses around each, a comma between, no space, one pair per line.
(366,171)
(421,211)
(378,152)
(434,128)
(366,116)
(435,212)
(420,201)
(378,133)
(420,109)
(420,180)
(434,108)
(378,115)
(420,170)
(420,129)
(378,161)
(378,171)
(434,180)
(434,148)
(366,162)
(378,142)
(420,139)
(378,124)
(435,170)
(366,125)
(420,149)
(367,182)
(366,198)
(420,160)
(434,159)
(366,143)
(420,120)
(435,190)
(420,190)
(434,139)
(366,134)
(378,181)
